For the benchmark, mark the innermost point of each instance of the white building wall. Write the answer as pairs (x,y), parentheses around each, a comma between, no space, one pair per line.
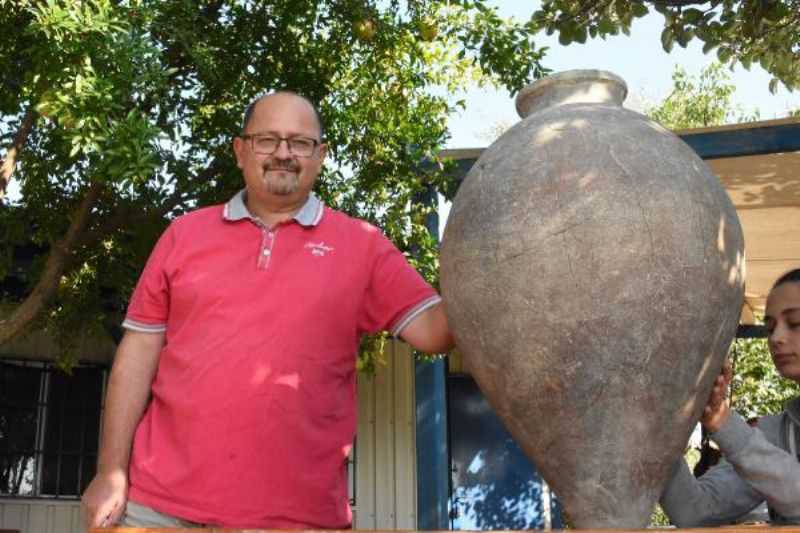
(385,462)
(36,516)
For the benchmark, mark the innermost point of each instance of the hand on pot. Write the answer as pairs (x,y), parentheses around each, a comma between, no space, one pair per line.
(718,407)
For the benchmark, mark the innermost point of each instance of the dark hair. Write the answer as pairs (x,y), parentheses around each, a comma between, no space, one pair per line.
(793,276)
(251,107)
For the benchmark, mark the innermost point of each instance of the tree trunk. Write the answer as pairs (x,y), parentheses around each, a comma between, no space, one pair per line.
(48,282)
(10,162)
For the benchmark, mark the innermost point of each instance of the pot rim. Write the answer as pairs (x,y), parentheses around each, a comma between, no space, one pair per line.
(565,79)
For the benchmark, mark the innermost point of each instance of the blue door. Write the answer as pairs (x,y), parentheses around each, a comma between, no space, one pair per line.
(494,486)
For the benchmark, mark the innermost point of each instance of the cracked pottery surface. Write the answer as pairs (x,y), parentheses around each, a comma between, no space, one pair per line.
(592,272)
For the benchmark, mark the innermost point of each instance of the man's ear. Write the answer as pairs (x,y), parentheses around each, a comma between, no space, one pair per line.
(238,150)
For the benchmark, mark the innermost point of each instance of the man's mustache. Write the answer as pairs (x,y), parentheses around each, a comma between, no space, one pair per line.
(286,167)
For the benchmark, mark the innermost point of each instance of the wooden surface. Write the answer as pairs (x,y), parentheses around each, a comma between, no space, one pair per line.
(723,529)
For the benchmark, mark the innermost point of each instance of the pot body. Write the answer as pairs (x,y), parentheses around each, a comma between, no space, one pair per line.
(592,272)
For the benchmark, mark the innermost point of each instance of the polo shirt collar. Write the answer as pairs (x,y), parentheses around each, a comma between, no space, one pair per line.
(308,215)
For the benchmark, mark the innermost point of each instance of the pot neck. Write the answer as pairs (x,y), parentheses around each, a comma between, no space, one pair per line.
(572,87)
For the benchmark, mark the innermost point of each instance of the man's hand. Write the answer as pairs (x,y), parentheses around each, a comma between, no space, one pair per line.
(105,498)
(718,408)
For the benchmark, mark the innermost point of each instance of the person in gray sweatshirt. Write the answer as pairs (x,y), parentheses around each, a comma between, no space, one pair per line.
(760,462)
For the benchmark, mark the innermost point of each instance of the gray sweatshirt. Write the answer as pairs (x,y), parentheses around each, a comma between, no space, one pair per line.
(757,467)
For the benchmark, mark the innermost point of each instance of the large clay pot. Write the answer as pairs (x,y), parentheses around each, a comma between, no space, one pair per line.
(592,272)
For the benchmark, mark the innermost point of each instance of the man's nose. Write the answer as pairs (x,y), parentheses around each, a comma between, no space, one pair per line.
(282,151)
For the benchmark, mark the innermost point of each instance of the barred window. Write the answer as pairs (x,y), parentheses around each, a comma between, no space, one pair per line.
(49,428)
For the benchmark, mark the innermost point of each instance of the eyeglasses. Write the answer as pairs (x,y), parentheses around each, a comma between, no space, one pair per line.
(268,144)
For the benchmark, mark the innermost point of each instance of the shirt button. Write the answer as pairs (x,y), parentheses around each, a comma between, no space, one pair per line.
(266,252)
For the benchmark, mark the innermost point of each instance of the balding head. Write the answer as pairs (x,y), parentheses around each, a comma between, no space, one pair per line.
(248,112)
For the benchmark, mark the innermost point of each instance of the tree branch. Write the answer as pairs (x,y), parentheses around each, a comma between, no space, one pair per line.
(10,161)
(48,282)
(129,216)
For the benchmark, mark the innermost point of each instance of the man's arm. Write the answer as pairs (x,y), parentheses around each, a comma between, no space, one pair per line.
(135,364)
(429,331)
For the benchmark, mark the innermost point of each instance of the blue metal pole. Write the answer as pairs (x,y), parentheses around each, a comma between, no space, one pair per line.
(433,450)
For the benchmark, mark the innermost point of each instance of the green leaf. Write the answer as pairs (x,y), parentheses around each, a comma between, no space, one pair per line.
(581,34)
(773,85)
(683,37)
(692,15)
(639,9)
(667,39)
(605,26)
(746,62)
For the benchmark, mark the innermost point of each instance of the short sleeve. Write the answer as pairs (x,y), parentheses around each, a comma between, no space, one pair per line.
(396,292)
(148,308)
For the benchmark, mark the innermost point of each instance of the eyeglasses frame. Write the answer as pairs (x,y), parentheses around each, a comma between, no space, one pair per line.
(251,137)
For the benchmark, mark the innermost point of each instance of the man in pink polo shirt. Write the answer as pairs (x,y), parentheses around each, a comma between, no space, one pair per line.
(231,401)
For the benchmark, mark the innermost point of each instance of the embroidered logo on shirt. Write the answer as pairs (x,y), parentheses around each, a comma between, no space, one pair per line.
(318,248)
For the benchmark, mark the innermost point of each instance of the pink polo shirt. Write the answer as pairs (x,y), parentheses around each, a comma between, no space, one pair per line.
(253,407)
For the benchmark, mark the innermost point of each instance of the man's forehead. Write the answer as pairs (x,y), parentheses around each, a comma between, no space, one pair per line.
(285,104)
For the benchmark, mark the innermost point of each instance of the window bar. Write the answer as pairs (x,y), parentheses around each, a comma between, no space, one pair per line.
(355,472)
(41,409)
(106,374)
(60,452)
(351,471)
(82,447)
